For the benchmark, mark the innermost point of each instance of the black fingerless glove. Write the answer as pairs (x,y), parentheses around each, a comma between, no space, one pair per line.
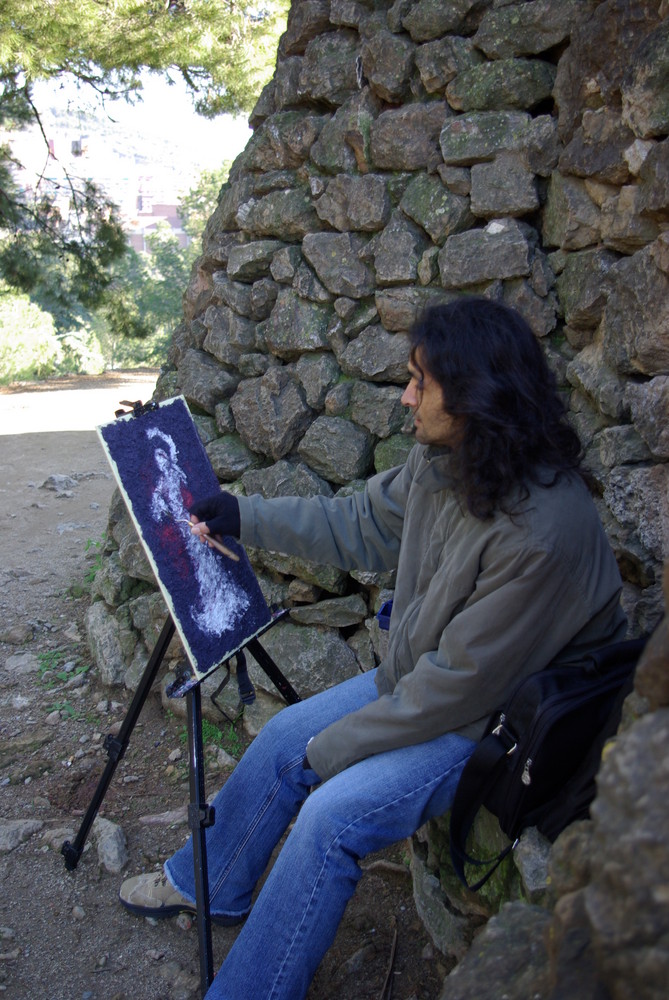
(220,513)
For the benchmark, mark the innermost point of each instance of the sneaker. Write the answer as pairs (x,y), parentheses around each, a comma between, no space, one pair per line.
(154,896)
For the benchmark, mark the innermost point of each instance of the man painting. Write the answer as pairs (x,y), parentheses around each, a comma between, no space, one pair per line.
(502,566)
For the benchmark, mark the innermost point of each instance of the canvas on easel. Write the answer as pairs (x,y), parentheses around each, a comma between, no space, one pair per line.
(161,467)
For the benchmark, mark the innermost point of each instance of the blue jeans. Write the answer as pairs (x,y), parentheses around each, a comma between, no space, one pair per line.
(372,804)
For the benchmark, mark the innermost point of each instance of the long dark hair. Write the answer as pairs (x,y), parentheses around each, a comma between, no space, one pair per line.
(493,373)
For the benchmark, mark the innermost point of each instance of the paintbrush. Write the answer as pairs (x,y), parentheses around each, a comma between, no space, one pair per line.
(215,544)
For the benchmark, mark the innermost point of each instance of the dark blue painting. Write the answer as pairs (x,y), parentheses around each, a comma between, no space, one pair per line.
(162,468)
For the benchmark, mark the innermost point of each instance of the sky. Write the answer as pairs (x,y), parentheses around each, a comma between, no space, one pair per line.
(158,137)
(163,107)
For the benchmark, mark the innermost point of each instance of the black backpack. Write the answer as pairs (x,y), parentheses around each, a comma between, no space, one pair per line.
(537,761)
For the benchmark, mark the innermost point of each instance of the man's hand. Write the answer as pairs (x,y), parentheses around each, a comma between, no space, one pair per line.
(216,515)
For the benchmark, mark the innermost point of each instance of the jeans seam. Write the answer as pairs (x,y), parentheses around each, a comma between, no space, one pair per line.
(257,817)
(335,844)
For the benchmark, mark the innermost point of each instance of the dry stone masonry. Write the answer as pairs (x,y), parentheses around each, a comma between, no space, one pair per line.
(403,154)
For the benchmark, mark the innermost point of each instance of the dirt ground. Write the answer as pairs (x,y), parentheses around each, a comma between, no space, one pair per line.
(63,935)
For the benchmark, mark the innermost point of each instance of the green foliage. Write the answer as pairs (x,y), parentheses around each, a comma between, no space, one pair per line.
(66,709)
(50,674)
(48,661)
(64,249)
(142,304)
(96,548)
(213,736)
(223,50)
(94,554)
(137,312)
(198,204)
(57,250)
(29,347)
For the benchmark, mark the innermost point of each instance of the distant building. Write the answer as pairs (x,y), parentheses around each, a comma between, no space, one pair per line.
(149,215)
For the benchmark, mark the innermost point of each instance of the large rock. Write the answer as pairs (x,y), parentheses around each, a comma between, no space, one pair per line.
(335,257)
(437,210)
(505,187)
(235,294)
(428,19)
(497,86)
(598,148)
(104,640)
(407,138)
(501,250)
(343,144)
(522,29)
(359,203)
(511,950)
(602,49)
(482,135)
(317,373)
(649,403)
(582,286)
(312,659)
(251,261)
(397,251)
(328,71)
(296,326)
(271,414)
(589,373)
(624,226)
(229,335)
(571,219)
(283,141)
(654,182)
(289,214)
(377,355)
(337,449)
(285,479)
(377,408)
(627,906)
(306,20)
(387,62)
(204,382)
(645,86)
(639,499)
(635,324)
(230,457)
(439,61)
(400,307)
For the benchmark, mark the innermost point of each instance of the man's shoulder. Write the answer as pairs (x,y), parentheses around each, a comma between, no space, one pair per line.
(563,509)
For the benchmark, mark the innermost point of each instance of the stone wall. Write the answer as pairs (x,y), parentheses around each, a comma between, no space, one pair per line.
(407,153)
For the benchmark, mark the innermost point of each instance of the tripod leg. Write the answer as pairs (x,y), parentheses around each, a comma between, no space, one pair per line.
(281,683)
(200,817)
(116,746)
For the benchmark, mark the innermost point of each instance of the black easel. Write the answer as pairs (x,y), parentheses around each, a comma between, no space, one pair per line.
(200,815)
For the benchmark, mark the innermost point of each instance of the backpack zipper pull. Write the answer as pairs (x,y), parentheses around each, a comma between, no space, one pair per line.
(526,777)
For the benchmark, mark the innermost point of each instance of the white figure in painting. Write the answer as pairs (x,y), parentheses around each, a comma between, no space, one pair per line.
(220,601)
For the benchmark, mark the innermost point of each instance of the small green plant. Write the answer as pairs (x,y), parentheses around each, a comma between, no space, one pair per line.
(48,663)
(94,554)
(67,710)
(95,559)
(228,740)
(233,742)
(211,734)
(66,675)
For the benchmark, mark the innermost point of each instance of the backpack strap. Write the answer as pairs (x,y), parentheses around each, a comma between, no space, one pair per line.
(478,777)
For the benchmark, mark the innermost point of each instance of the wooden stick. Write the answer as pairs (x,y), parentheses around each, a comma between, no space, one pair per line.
(211,541)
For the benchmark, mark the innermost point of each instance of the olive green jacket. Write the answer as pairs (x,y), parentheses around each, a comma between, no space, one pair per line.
(478,604)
